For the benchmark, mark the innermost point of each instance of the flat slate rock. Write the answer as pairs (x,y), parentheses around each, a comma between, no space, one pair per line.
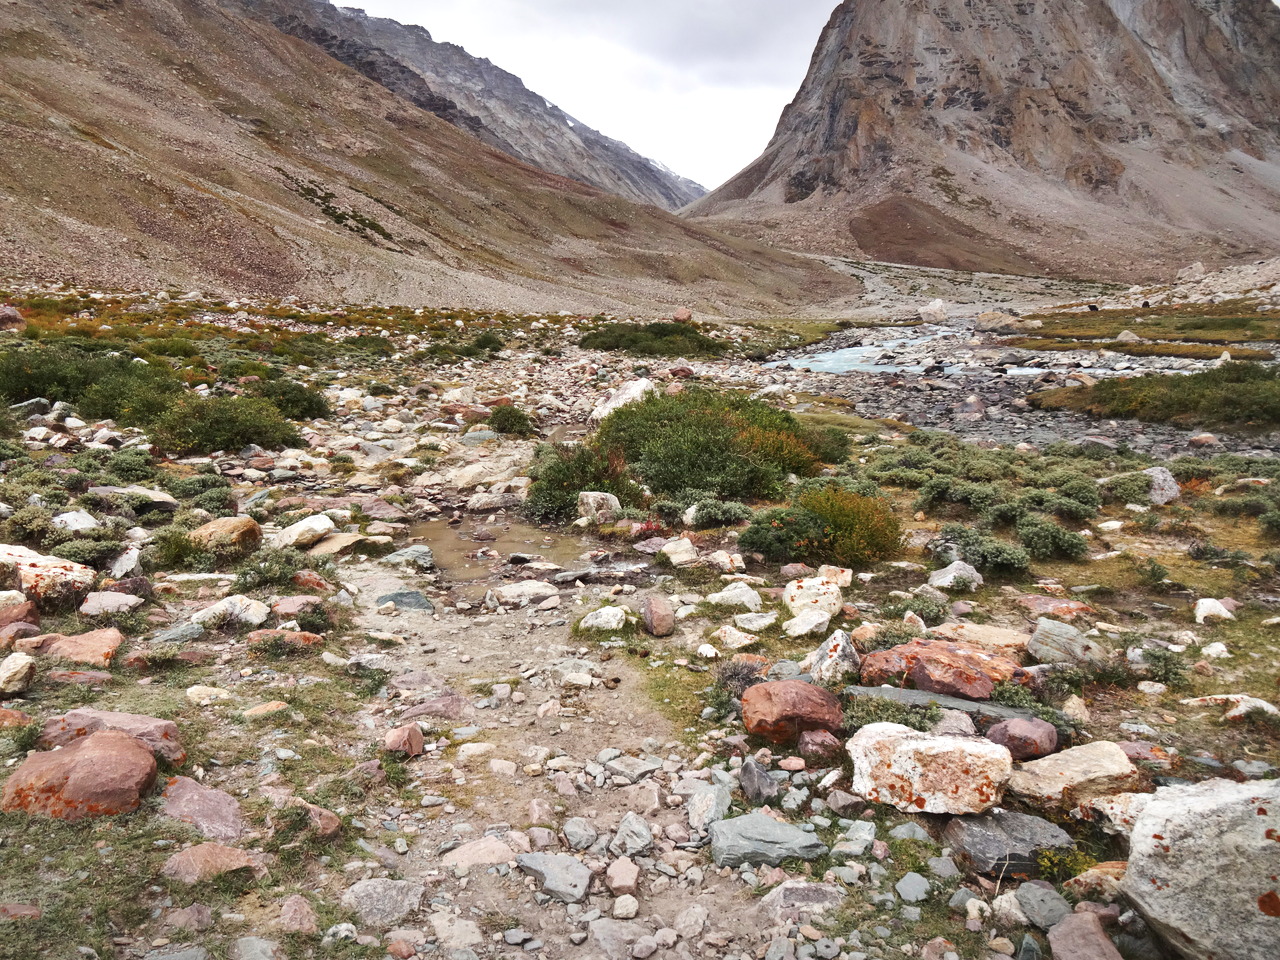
(1002,842)
(559,875)
(408,600)
(757,839)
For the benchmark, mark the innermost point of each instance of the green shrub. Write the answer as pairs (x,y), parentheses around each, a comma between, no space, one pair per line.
(863,711)
(294,400)
(32,526)
(1270,523)
(511,421)
(90,553)
(928,609)
(187,487)
(172,549)
(653,340)
(1045,540)
(729,445)
(488,341)
(1134,488)
(271,567)
(131,466)
(560,473)
(218,501)
(986,553)
(720,513)
(195,426)
(133,397)
(858,530)
(783,534)
(1236,394)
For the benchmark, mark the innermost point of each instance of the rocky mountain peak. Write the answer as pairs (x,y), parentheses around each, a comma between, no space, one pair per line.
(1002,124)
(473,94)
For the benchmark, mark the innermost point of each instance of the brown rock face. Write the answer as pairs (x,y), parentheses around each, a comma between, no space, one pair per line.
(237,533)
(20,613)
(819,744)
(214,813)
(1080,936)
(160,735)
(782,710)
(101,775)
(657,616)
(953,134)
(298,916)
(406,739)
(209,860)
(1025,739)
(940,666)
(95,648)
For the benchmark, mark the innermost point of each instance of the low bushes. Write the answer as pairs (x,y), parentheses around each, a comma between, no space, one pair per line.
(294,400)
(511,421)
(727,446)
(192,425)
(827,524)
(560,473)
(1239,395)
(653,340)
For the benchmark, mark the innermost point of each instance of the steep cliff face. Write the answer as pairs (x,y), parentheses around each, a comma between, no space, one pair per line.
(477,96)
(148,143)
(1013,131)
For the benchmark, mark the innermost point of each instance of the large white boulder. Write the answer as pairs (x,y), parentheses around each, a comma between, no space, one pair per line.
(813,593)
(1074,776)
(737,594)
(304,533)
(1203,863)
(922,773)
(630,392)
(46,580)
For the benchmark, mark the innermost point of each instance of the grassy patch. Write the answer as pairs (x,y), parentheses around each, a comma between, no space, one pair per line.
(1192,351)
(1238,396)
(653,340)
(1233,321)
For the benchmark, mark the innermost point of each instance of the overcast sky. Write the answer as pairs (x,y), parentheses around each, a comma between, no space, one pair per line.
(695,84)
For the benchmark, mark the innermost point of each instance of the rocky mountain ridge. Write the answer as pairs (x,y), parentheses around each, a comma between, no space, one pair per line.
(1116,139)
(180,143)
(475,95)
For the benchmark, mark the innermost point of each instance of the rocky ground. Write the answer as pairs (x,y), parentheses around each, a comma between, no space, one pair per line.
(450,733)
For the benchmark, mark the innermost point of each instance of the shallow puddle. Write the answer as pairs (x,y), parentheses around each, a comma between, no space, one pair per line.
(465,561)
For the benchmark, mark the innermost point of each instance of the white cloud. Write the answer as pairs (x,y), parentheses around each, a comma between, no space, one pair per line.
(695,84)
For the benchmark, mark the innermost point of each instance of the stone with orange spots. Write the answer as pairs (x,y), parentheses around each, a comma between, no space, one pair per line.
(20,911)
(12,718)
(101,775)
(1053,606)
(49,581)
(95,648)
(310,580)
(944,667)
(922,773)
(782,710)
(1204,860)
(160,735)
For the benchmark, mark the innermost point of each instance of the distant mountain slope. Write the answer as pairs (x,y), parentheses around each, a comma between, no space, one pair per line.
(472,93)
(146,143)
(1097,137)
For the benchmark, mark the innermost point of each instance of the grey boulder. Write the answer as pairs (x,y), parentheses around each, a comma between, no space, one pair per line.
(1004,842)
(757,839)
(560,876)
